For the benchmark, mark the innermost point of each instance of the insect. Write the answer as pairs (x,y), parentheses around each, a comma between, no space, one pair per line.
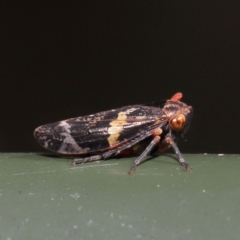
(153,127)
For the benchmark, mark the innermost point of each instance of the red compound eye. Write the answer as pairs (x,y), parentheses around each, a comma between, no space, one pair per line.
(177,122)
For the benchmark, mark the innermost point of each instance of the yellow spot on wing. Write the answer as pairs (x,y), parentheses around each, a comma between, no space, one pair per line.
(117,127)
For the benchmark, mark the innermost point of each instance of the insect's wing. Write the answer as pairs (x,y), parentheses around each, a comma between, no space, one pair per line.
(99,132)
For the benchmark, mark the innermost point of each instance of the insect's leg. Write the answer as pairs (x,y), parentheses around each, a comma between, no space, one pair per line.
(179,155)
(86,159)
(152,144)
(117,151)
(111,153)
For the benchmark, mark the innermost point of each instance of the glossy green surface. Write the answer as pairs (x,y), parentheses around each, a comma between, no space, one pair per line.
(46,198)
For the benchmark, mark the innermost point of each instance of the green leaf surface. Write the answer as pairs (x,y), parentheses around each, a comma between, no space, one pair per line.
(44,197)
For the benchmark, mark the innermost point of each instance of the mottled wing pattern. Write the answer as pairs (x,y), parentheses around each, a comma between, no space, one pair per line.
(101,131)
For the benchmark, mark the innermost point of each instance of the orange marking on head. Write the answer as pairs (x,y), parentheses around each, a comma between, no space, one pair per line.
(176,96)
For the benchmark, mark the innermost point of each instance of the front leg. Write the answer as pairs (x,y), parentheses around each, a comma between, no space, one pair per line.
(180,158)
(149,148)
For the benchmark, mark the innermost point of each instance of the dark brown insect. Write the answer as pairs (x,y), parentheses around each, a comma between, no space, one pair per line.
(119,131)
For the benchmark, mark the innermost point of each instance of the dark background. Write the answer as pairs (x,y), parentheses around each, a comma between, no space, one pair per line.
(66,59)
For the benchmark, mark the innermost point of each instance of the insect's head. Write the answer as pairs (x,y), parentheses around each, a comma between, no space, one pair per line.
(179,114)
